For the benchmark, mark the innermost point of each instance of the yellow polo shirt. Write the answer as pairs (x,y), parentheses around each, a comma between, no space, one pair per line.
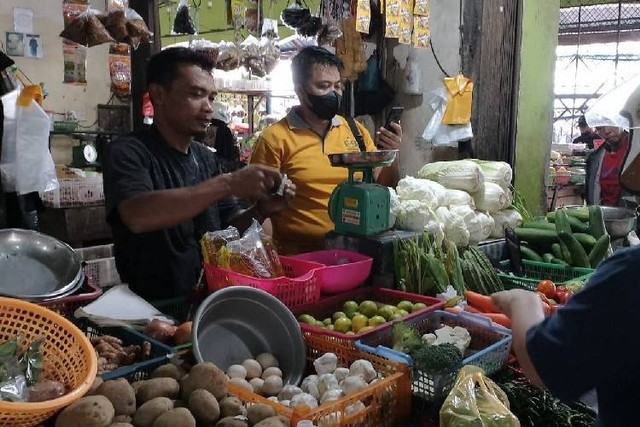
(293,148)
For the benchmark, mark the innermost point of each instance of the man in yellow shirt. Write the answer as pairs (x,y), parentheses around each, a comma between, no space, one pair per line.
(299,145)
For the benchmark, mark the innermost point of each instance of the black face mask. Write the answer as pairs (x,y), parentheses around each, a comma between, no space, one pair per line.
(325,106)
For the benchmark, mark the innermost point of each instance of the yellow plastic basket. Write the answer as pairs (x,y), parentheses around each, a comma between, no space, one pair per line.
(69,358)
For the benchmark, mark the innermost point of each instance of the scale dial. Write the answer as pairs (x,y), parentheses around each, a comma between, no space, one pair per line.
(90,154)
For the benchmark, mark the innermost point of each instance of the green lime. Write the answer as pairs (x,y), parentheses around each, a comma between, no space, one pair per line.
(402,313)
(343,325)
(352,314)
(307,318)
(406,306)
(417,307)
(358,322)
(337,315)
(368,308)
(327,321)
(387,311)
(350,307)
(376,321)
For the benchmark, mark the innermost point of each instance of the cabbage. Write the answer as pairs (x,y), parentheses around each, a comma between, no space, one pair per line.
(478,224)
(414,215)
(458,175)
(497,172)
(454,226)
(487,224)
(503,219)
(395,206)
(410,188)
(459,198)
(492,198)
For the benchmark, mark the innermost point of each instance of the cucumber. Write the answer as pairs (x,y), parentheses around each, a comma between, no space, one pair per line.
(578,254)
(596,222)
(580,213)
(535,235)
(556,250)
(558,261)
(542,225)
(586,240)
(530,254)
(562,222)
(599,251)
(578,226)
(547,257)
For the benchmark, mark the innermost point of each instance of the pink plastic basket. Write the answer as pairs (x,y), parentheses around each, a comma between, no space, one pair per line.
(299,287)
(344,270)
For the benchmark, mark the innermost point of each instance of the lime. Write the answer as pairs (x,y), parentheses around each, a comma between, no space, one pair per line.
(350,307)
(327,321)
(376,321)
(337,315)
(352,314)
(395,316)
(365,329)
(406,306)
(330,327)
(358,322)
(368,308)
(319,324)
(417,307)
(350,333)
(307,318)
(387,311)
(402,313)
(343,325)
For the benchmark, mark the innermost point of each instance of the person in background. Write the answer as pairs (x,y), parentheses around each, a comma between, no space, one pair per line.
(602,183)
(298,146)
(570,352)
(220,137)
(587,135)
(164,190)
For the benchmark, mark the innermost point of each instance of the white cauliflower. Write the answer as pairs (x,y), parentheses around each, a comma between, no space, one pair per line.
(424,190)
(457,336)
(395,206)
(331,396)
(414,215)
(364,369)
(454,227)
(353,384)
(341,374)
(436,230)
(303,399)
(327,382)
(326,364)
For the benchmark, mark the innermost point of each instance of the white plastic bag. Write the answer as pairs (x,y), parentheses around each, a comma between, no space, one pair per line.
(439,134)
(497,172)
(412,75)
(492,199)
(35,170)
(8,159)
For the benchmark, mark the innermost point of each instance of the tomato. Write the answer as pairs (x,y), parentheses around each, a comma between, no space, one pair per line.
(547,287)
(563,294)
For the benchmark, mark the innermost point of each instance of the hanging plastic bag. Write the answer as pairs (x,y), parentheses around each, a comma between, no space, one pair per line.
(412,75)
(87,29)
(440,134)
(183,23)
(8,157)
(459,100)
(476,401)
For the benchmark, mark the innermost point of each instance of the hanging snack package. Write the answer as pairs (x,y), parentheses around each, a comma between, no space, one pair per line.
(214,246)
(363,16)
(421,31)
(116,24)
(117,5)
(183,23)
(269,28)
(270,54)
(75,63)
(70,11)
(249,256)
(230,57)
(87,30)
(137,29)
(422,7)
(120,69)
(406,23)
(392,30)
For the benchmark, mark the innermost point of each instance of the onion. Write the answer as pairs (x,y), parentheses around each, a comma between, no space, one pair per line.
(182,334)
(159,330)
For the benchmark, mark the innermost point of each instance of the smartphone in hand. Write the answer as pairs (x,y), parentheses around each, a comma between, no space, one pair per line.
(393,116)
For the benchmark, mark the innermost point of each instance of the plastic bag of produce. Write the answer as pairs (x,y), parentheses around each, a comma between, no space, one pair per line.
(497,172)
(459,198)
(462,175)
(506,218)
(476,401)
(429,192)
(492,199)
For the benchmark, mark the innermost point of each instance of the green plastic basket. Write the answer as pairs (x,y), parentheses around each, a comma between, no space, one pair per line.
(536,271)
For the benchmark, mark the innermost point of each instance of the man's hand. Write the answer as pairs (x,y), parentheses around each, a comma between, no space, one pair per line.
(273,204)
(387,140)
(510,301)
(254,182)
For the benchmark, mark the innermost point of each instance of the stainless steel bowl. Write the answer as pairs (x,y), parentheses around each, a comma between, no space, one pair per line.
(364,158)
(619,221)
(240,322)
(35,266)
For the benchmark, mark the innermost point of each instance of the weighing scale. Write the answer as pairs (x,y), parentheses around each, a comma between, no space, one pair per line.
(361,207)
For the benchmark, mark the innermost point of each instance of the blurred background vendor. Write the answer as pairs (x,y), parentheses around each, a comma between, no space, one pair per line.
(220,137)
(604,166)
(587,135)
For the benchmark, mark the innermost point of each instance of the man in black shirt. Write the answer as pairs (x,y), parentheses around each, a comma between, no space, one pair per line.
(163,190)
(587,135)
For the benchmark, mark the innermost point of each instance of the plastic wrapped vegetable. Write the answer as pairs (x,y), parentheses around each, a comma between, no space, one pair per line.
(507,218)
(459,198)
(364,369)
(183,23)
(458,175)
(303,399)
(497,172)
(326,364)
(492,199)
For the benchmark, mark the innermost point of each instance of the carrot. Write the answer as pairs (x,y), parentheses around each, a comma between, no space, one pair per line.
(452,310)
(499,318)
(481,302)
(471,309)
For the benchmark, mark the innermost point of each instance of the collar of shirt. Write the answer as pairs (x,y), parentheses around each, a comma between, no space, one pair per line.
(295,121)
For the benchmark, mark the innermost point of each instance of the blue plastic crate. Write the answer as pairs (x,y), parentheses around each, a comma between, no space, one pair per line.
(160,353)
(489,349)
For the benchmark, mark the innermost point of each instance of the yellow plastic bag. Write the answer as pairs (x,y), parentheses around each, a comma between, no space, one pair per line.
(459,98)
(476,401)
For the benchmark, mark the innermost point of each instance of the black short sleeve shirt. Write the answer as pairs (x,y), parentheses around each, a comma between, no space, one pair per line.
(164,263)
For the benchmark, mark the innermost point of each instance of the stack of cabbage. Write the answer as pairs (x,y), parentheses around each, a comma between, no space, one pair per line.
(466,200)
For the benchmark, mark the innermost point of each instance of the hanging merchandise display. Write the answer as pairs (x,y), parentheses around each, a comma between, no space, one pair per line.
(87,30)
(406,21)
(120,69)
(459,99)
(412,74)
(440,134)
(75,63)
(363,16)
(350,50)
(330,31)
(393,19)
(421,31)
(183,23)
(300,19)
(269,28)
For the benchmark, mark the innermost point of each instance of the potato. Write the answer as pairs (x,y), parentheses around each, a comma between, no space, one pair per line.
(231,406)
(169,370)
(204,406)
(267,360)
(90,411)
(254,370)
(206,376)
(179,403)
(177,417)
(121,395)
(94,386)
(237,371)
(158,387)
(149,411)
(120,425)
(272,385)
(122,419)
(231,422)
(137,384)
(241,383)
(258,412)
(277,421)
(46,390)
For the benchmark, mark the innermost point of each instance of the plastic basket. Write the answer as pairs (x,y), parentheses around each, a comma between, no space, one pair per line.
(75,192)
(128,337)
(387,402)
(66,306)
(100,265)
(535,271)
(490,346)
(344,270)
(300,286)
(69,358)
(326,307)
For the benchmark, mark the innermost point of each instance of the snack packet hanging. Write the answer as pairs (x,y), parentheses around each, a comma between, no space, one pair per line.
(87,30)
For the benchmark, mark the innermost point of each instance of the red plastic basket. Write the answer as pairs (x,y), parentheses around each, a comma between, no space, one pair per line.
(66,306)
(327,306)
(299,287)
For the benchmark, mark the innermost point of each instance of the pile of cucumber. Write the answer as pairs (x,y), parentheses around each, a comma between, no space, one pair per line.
(574,237)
